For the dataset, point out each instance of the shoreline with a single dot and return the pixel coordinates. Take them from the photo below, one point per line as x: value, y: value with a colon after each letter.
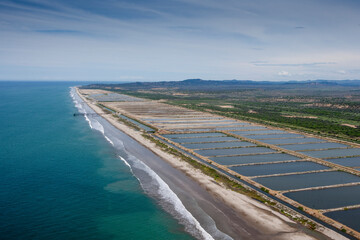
x: 254, y: 214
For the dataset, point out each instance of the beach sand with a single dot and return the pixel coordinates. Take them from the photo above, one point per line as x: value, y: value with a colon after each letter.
x: 234, y: 214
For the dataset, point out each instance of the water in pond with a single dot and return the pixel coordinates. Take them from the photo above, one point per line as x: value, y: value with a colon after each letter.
x: 328, y: 198
x: 146, y: 128
x: 192, y: 130
x: 115, y: 97
x: 234, y: 151
x: 349, y: 218
x: 334, y: 153
x: 348, y: 162
x: 175, y: 119
x: 267, y: 169
x: 267, y: 136
x: 205, y: 139
x: 194, y: 135
x: 292, y: 140
x: 197, y: 122
x: 215, y: 124
x: 275, y: 157
x: 307, y: 180
x: 218, y: 145
x: 313, y: 146
x: 242, y: 128
x: 259, y: 132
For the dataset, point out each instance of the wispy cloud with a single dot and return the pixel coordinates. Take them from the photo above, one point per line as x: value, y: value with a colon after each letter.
x: 164, y: 40
x: 284, y: 73
x: 313, y: 64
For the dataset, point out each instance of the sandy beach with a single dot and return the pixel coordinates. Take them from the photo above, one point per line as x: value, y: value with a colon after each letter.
x: 234, y: 214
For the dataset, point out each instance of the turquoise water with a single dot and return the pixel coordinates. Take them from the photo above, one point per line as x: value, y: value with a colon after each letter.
x: 62, y: 180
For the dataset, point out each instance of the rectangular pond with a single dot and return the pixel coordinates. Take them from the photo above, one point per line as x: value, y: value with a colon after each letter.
x: 114, y: 97
x: 204, y: 139
x: 234, y: 151
x: 199, y: 122
x: 247, y: 127
x: 349, y: 217
x: 277, y: 168
x: 180, y: 118
x: 241, y: 133
x: 292, y: 140
x: 215, y: 124
x: 194, y: 135
x: 275, y: 157
x: 334, y: 153
x: 313, y: 146
x: 327, y: 198
x: 218, y: 145
x: 348, y: 162
x: 191, y: 130
x: 307, y: 180
x: 267, y: 136
x: 146, y: 128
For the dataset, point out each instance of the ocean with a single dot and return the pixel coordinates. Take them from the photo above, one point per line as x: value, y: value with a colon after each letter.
x: 62, y: 177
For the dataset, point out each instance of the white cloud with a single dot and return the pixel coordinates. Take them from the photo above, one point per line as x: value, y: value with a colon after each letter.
x: 284, y: 73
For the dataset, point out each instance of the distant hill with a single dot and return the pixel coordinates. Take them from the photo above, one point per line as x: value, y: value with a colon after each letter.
x: 194, y: 84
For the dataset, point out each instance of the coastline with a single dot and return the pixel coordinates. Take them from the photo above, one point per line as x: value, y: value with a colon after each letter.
x: 256, y: 219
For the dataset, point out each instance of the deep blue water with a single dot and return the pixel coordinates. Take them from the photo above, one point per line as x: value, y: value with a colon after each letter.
x: 62, y: 180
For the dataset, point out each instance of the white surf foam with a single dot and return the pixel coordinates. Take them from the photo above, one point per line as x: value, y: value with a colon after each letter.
x: 166, y: 195
x: 94, y: 124
x: 163, y: 191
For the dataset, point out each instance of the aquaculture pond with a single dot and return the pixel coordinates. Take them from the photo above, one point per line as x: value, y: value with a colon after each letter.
x: 215, y: 124
x: 247, y: 127
x: 274, y: 157
x: 328, y: 198
x: 313, y: 146
x: 277, y: 168
x: 292, y: 141
x: 180, y: 118
x: 259, y: 132
x: 146, y: 128
x: 204, y: 139
x: 114, y: 97
x: 194, y: 135
x: 218, y: 145
x: 307, y: 180
x: 349, y: 217
x: 348, y: 162
x: 234, y: 151
x: 199, y: 122
x: 333, y: 153
x: 266, y: 136
x: 191, y: 130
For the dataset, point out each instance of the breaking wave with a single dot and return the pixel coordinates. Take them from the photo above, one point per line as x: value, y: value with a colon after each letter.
x: 150, y: 182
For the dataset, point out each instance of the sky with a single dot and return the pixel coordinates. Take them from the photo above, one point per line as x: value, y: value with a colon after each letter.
x: 165, y: 40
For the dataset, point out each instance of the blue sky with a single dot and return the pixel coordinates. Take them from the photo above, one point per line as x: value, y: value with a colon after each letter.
x: 149, y: 40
